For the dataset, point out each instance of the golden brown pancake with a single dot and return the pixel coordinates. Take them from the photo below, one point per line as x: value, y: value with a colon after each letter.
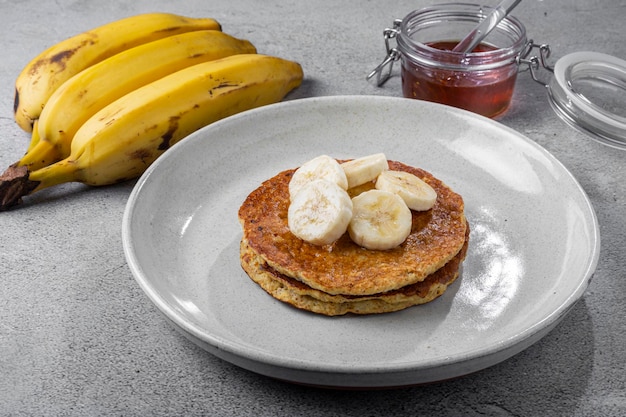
x: 344, y: 268
x: 298, y: 294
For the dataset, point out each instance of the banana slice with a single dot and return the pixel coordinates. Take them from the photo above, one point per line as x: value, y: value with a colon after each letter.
x: 322, y: 166
x: 380, y: 220
x: 416, y: 193
x: 320, y: 212
x: 365, y: 169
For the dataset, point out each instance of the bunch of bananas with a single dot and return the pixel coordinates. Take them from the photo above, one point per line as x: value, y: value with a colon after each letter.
x: 103, y: 105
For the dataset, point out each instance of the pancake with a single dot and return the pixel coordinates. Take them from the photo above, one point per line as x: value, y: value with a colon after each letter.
x: 299, y: 295
x: 344, y: 268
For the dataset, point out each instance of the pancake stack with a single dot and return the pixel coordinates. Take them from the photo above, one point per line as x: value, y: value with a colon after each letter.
x: 342, y: 277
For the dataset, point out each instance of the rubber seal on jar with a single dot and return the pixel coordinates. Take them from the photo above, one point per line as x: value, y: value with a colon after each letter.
x: 588, y: 91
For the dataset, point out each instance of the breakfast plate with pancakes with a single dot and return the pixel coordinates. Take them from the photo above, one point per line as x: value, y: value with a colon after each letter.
x: 526, y: 257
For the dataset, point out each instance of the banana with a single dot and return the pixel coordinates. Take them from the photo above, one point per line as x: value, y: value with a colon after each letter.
x: 46, y: 72
x: 320, y: 212
x: 80, y: 97
x: 322, y: 166
x: 120, y: 141
x: 416, y: 193
x: 365, y: 169
x: 34, y: 137
x: 380, y: 220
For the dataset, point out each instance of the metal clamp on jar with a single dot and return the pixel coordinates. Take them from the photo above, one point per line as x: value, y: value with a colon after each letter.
x: 483, y: 80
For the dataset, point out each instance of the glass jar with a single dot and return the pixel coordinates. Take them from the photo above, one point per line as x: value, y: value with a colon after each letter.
x: 586, y: 89
x: 481, y: 81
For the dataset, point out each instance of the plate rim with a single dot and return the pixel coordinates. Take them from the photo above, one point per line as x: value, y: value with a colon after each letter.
x: 531, y: 334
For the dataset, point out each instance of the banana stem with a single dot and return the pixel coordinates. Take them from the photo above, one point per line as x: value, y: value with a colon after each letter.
x: 18, y: 181
x: 15, y: 184
x: 54, y: 174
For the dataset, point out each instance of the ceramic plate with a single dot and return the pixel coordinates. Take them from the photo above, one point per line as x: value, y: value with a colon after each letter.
x: 534, y: 243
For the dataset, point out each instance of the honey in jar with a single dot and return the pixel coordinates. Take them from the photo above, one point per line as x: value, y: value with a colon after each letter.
x: 485, y: 92
x: 481, y: 81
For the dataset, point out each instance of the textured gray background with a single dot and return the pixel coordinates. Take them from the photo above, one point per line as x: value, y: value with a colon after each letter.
x: 78, y: 337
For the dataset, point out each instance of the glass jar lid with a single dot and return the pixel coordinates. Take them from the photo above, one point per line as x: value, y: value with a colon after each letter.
x: 588, y: 91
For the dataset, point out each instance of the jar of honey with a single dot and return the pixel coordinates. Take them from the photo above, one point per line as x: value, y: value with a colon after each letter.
x: 586, y: 89
x: 481, y: 81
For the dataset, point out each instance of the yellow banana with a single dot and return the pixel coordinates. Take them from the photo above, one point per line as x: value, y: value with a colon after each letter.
x: 92, y: 89
x: 120, y: 141
x: 46, y: 72
x: 34, y: 138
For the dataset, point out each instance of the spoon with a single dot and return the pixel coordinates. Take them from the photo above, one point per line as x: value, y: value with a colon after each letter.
x: 472, y: 39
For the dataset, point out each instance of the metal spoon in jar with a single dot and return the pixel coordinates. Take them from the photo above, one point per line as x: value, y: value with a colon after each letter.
x: 473, y: 39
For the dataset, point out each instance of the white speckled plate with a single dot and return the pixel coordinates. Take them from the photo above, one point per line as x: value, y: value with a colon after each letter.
x: 533, y: 249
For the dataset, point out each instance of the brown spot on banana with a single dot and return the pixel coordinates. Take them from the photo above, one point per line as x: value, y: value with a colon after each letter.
x: 16, y: 101
x: 221, y: 85
x: 61, y: 58
x: 168, y: 29
x: 142, y: 154
x: 82, y: 93
x: 167, y: 136
x: 225, y: 85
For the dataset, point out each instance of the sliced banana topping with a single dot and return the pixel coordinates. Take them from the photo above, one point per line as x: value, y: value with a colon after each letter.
x: 362, y: 170
x: 321, y: 167
x: 380, y: 220
x: 320, y: 212
x: 416, y: 193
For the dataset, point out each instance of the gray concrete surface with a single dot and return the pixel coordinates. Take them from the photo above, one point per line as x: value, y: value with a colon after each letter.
x: 78, y: 336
